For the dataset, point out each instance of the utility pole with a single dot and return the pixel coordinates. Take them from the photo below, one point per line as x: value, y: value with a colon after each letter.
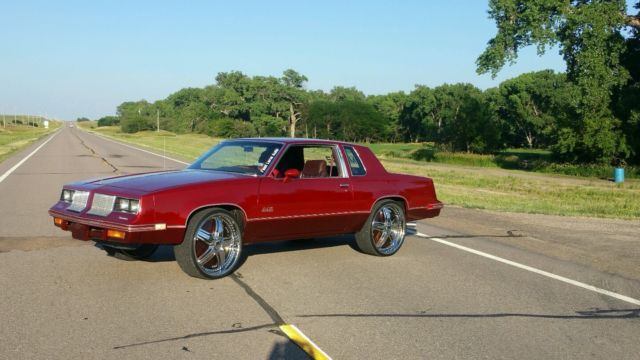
x: 4, y: 123
x: 158, y: 120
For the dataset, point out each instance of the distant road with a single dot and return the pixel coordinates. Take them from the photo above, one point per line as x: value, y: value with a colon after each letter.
x: 72, y: 155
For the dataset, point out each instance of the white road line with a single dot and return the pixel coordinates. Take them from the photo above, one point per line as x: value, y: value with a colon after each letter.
x: 136, y: 148
x: 8, y: 172
x: 534, y: 270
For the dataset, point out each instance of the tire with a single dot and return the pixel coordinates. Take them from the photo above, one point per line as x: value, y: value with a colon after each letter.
x: 383, y: 233
x: 141, y: 253
x: 212, y: 244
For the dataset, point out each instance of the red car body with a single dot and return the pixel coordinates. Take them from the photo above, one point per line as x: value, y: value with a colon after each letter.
x: 272, y: 208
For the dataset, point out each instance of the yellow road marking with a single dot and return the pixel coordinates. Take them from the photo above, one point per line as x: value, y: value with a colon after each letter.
x: 304, y: 342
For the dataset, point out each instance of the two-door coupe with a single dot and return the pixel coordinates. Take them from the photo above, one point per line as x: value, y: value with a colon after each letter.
x: 245, y: 191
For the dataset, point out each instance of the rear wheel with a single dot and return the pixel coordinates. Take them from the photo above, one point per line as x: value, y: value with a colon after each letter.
x: 383, y: 233
x: 212, y: 245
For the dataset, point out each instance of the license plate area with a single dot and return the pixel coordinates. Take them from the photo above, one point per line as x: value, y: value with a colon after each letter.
x: 79, y: 231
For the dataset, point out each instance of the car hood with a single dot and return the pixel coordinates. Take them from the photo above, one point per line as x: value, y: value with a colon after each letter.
x: 157, y: 181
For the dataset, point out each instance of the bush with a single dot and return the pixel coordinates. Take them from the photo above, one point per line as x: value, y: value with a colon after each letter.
x: 230, y: 128
x: 109, y: 121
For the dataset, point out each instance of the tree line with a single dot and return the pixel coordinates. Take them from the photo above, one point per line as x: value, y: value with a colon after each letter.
x: 590, y: 114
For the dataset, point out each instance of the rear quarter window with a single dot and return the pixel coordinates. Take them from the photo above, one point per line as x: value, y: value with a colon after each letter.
x: 355, y: 164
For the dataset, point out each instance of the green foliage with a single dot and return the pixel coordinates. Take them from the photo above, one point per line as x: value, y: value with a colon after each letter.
x: 109, y: 121
x: 530, y: 105
x: 590, y: 36
x: 537, y: 110
x: 345, y: 120
x: 82, y: 119
x: 230, y: 128
x: 455, y: 116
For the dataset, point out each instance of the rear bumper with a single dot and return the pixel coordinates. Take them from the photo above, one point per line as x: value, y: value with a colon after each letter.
x: 97, y: 230
x: 429, y: 211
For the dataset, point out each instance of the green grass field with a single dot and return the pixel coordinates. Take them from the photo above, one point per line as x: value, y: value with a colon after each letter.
x: 533, y: 160
x: 16, y: 137
x: 474, y: 181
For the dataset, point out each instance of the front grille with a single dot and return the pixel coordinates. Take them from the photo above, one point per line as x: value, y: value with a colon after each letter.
x: 79, y: 201
x: 102, y: 205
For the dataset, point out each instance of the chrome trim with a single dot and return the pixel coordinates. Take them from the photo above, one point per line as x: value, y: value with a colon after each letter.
x: 343, y: 168
x: 406, y: 202
x: 308, y: 215
x: 246, y: 218
x: 432, y: 206
x: 105, y: 224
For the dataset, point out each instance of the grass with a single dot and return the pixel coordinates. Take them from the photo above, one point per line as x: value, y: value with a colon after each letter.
x: 186, y: 146
x: 518, y: 191
x: 14, y: 137
x: 533, y: 160
x: 474, y: 181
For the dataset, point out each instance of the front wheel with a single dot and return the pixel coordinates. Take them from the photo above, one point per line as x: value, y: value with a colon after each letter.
x: 212, y: 245
x: 383, y: 233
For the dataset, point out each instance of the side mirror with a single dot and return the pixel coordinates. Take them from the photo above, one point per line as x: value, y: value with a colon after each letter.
x: 291, y: 174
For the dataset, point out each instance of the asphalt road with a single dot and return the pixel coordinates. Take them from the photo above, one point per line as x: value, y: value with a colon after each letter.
x: 65, y: 299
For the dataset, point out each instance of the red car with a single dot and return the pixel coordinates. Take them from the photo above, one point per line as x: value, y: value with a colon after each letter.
x: 246, y: 191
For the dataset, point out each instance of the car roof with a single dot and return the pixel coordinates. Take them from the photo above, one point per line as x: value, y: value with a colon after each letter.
x: 288, y: 140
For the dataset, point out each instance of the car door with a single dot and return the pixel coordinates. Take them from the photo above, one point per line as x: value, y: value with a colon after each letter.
x: 317, y: 203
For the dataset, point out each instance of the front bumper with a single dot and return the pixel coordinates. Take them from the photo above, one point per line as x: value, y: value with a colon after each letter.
x: 86, y: 229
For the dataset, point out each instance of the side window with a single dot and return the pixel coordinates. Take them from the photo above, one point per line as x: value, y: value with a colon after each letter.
x: 357, y: 169
x: 313, y: 161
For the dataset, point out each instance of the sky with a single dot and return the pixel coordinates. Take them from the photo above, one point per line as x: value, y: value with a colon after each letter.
x: 73, y: 59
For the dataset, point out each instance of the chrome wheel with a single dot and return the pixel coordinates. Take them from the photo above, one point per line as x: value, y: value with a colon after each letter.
x: 388, y: 228
x: 212, y: 244
x: 384, y: 231
x: 216, y: 244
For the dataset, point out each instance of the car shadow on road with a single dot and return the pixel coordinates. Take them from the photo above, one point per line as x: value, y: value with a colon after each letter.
x: 299, y: 245
x: 165, y: 252
x: 592, y: 314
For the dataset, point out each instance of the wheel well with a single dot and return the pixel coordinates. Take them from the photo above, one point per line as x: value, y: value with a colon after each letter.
x: 397, y: 199
x: 237, y: 212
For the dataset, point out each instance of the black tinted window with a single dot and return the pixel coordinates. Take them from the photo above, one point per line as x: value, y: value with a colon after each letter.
x: 354, y: 162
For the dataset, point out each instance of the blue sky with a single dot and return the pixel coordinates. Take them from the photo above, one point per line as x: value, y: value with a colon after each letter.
x: 83, y: 58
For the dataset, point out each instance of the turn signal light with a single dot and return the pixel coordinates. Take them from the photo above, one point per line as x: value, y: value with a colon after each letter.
x: 57, y: 221
x: 115, y: 234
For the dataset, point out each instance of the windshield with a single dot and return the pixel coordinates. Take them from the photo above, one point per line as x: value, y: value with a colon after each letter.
x: 244, y: 157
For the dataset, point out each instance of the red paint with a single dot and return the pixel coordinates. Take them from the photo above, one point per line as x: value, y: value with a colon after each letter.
x: 273, y: 208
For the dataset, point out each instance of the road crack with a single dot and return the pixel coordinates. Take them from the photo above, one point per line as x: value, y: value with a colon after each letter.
x: 273, y: 314
x: 95, y: 154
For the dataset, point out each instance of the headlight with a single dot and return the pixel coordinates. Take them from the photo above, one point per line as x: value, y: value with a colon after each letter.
x: 130, y: 206
x: 67, y: 195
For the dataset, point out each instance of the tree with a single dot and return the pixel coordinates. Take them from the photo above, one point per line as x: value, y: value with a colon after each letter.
x: 345, y: 120
x: 414, y: 117
x: 463, y: 119
x: 530, y: 104
x: 294, y: 94
x: 136, y: 116
x: 390, y: 107
x: 109, y: 121
x: 341, y: 93
x: 589, y: 34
